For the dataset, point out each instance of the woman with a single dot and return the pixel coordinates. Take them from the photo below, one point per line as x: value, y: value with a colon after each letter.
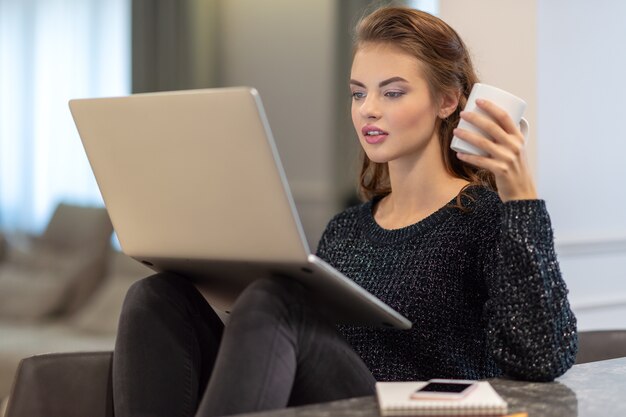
x: 458, y: 244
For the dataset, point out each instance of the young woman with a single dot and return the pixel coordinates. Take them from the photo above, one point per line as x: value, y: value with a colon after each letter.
x: 461, y: 245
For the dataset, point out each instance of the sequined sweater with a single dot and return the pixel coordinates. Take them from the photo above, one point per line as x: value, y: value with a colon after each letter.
x: 483, y: 290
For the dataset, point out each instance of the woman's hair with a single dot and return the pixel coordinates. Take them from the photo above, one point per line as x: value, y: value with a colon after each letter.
x: 447, y: 68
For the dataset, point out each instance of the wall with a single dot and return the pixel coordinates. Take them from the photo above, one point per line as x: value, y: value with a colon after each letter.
x: 297, y: 54
x: 286, y: 50
x: 567, y: 59
x: 581, y: 67
x: 501, y: 36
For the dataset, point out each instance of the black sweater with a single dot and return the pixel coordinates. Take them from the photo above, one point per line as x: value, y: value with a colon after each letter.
x: 483, y: 290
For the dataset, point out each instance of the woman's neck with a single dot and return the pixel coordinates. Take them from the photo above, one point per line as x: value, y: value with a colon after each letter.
x: 420, y: 186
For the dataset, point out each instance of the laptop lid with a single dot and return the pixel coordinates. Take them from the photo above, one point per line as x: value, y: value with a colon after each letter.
x: 172, y: 164
x: 194, y: 186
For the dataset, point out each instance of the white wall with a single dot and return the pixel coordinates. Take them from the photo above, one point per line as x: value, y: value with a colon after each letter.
x: 501, y: 37
x: 286, y: 49
x: 568, y: 59
x: 581, y: 66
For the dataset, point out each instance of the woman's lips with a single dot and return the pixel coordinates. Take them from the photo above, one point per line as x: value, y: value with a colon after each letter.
x: 373, y: 135
x: 374, y: 139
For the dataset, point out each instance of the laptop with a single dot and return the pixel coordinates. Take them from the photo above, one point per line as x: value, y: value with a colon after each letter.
x: 194, y: 186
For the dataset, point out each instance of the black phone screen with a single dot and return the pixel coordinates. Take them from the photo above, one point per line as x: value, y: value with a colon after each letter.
x: 444, y: 387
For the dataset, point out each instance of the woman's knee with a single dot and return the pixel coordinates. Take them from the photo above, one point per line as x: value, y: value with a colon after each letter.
x: 158, y: 291
x: 284, y: 289
x: 273, y: 295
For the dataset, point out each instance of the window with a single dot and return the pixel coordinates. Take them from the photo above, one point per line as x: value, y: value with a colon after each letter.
x: 429, y: 6
x: 52, y: 51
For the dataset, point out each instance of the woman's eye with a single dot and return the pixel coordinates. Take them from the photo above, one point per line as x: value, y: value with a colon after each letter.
x: 357, y: 95
x: 394, y: 94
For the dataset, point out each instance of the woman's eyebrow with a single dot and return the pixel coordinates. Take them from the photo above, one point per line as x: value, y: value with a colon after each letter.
x: 391, y: 80
x: 382, y: 83
x: 357, y: 83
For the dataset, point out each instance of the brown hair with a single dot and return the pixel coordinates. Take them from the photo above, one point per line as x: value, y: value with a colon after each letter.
x: 448, y: 69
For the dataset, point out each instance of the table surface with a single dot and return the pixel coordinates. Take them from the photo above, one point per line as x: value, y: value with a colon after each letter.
x: 588, y: 390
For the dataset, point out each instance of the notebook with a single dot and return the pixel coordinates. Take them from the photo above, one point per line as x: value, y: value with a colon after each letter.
x: 193, y: 183
x: 394, y: 399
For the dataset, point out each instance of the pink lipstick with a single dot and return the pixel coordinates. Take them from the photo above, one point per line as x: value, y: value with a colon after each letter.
x: 373, y: 134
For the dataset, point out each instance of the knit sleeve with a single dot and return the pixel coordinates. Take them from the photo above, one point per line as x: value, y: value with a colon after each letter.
x: 531, y: 329
x: 322, y: 245
x: 329, y: 232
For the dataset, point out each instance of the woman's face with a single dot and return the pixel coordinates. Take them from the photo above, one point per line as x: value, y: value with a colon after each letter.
x: 392, y: 109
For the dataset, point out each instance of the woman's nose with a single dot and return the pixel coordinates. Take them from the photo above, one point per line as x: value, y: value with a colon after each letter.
x: 369, y: 108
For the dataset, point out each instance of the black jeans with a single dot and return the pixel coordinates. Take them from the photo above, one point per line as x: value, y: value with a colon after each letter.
x: 173, y: 356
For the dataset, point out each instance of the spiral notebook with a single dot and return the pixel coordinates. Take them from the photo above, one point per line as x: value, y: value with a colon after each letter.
x: 394, y: 399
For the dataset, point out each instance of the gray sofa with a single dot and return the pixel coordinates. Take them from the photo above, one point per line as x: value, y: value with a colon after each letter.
x: 90, y: 328
x: 62, y: 291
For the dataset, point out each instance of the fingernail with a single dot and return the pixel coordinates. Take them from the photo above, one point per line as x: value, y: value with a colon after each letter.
x: 480, y: 101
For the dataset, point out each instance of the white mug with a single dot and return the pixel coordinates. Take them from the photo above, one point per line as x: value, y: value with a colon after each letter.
x: 513, y: 105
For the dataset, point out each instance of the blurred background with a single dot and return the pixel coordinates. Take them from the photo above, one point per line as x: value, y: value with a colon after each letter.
x: 566, y: 57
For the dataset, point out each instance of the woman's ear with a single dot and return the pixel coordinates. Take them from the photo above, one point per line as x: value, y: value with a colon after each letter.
x: 448, y: 104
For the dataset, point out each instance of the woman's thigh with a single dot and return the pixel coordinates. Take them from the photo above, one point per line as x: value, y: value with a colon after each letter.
x: 277, y: 350
x: 168, y: 339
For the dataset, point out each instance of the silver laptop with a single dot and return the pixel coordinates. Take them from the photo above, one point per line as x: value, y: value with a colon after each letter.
x: 193, y: 184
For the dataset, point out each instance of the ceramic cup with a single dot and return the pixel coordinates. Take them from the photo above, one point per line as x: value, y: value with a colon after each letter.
x: 513, y: 105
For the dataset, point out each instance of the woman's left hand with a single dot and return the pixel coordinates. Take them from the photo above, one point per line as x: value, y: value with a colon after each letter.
x: 506, y: 157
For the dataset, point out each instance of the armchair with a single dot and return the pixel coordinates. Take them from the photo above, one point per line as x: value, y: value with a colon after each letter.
x: 63, y: 385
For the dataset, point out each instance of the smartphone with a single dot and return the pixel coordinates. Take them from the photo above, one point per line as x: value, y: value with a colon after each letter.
x: 444, y: 389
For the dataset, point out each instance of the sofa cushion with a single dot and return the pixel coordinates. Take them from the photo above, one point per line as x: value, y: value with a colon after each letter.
x: 85, y: 232
x: 55, y: 273
x: 100, y: 315
x: 37, y: 283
